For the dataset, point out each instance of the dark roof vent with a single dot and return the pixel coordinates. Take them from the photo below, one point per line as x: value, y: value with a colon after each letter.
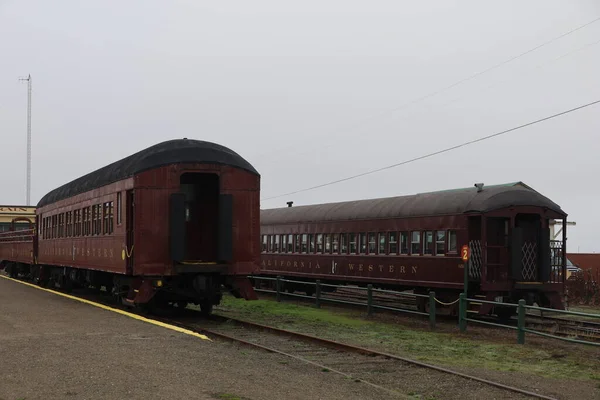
x: 289, y: 203
x: 479, y: 187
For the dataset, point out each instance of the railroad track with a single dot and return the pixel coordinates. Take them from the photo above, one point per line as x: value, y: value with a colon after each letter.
x: 565, y: 327
x: 377, y: 369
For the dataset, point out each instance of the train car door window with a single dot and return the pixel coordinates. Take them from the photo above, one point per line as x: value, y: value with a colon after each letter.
x: 415, y: 249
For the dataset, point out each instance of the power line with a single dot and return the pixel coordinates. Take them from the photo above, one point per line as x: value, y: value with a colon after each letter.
x: 437, y: 152
x: 323, y: 147
x: 471, y: 77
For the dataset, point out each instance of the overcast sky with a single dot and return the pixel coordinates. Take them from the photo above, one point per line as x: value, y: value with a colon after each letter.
x: 309, y: 92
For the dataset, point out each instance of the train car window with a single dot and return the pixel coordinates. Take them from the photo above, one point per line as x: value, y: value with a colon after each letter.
x: 403, y: 242
x: 290, y: 243
x: 84, y: 222
x: 89, y: 220
x: 119, y: 213
x: 105, y: 219
x: 81, y: 222
x: 275, y: 243
x: 319, y: 243
x: 452, y: 242
x: 440, y: 243
x: 352, y: 238
x: 111, y: 220
x: 68, y: 223
x: 362, y: 244
x: 311, y: 243
x: 263, y: 247
x: 372, y: 243
x: 327, y: 241
x: 428, y: 243
x: 382, y: 243
x: 99, y: 216
x: 94, y: 213
x: 283, y: 247
x: 61, y: 225
x: 335, y: 243
x: 393, y: 242
x: 297, y: 244
x: 415, y: 249
x: 304, y: 243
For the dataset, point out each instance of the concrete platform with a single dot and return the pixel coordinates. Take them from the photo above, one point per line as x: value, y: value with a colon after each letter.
x: 53, y: 347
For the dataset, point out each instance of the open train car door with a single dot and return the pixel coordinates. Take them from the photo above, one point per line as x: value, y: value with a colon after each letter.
x: 201, y: 217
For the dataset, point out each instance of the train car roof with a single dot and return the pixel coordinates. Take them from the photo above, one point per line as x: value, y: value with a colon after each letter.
x: 177, y: 151
x: 447, y: 202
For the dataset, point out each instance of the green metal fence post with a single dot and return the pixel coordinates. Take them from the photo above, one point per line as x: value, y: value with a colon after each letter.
x: 432, y: 310
x: 462, y: 312
x: 278, y: 288
x: 369, y: 299
x: 318, y: 293
x: 521, y: 323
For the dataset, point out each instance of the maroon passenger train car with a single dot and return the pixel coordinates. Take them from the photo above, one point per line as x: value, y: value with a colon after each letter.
x: 413, y: 242
x: 169, y: 224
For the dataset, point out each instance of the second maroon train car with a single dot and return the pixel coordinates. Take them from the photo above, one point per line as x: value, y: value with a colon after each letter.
x: 413, y: 242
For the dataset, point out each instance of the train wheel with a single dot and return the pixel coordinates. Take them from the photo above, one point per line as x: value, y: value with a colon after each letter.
x: 182, y: 304
x: 206, y: 307
x: 12, y: 271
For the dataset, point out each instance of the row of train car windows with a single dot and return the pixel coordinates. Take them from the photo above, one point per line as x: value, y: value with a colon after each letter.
x: 409, y: 243
x: 88, y: 221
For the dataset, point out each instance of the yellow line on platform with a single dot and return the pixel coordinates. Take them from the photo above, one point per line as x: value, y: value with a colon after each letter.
x: 116, y: 310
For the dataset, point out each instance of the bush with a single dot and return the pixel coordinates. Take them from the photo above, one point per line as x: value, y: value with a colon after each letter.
x: 582, y: 288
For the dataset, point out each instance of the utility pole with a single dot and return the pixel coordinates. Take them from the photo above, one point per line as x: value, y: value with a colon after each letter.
x: 28, y: 79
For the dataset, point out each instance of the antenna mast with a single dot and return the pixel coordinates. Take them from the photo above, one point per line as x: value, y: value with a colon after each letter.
x: 28, y: 79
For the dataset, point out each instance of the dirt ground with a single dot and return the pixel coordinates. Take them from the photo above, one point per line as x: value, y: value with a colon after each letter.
x: 52, y: 347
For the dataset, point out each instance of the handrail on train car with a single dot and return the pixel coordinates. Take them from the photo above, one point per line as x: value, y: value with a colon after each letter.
x: 24, y: 235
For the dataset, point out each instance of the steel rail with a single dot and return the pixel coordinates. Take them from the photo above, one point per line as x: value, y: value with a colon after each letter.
x: 349, y: 348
